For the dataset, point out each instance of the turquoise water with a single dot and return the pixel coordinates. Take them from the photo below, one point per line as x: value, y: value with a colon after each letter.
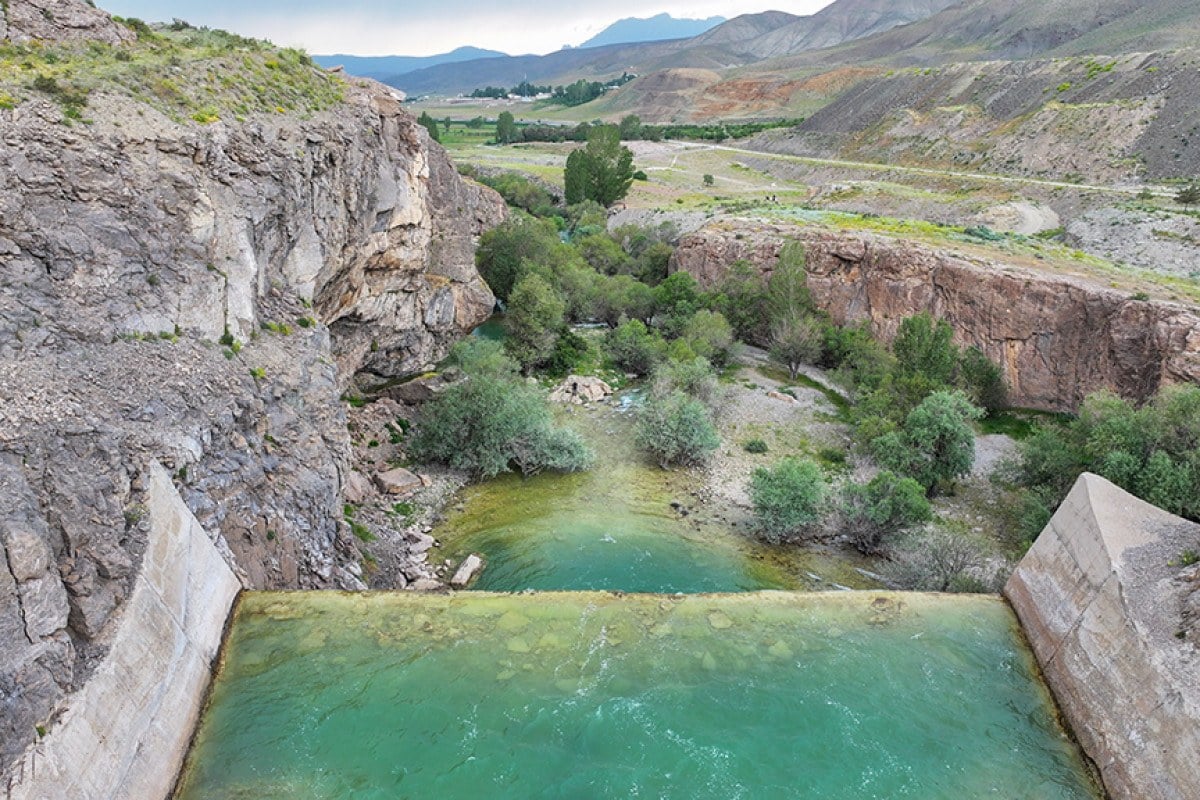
x: 614, y: 528
x: 587, y: 695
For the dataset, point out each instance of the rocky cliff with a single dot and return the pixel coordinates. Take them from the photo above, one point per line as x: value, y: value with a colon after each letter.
x: 1110, y: 614
x: 199, y: 295
x: 1057, y: 337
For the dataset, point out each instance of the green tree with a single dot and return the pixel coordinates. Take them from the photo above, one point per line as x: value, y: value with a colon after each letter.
x: 676, y: 430
x: 936, y: 443
x: 787, y: 498
x: 506, y: 128
x: 982, y: 380
x: 429, y: 124
x: 787, y: 289
x: 603, y: 171
x: 709, y: 336
x: 635, y: 348
x: 741, y: 297
x: 533, y: 322
x: 694, y: 378
x: 925, y: 348
x: 874, y: 512
x: 631, y: 128
x: 506, y: 251
x: 1189, y: 195
x: 492, y: 422
x: 796, y: 341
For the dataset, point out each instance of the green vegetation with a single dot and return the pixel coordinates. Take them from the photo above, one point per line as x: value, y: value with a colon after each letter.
x: 755, y: 446
x: 787, y: 498
x: 430, y: 124
x: 676, y: 430
x: 602, y: 171
x: 1189, y: 195
x: 936, y: 443
x: 186, y: 73
x: 875, y: 512
x: 534, y: 322
x: 493, y: 421
x: 1152, y: 451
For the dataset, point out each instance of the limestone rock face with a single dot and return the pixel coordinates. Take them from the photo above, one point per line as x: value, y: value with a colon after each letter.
x: 59, y: 20
x: 1057, y: 337
x: 140, y: 261
x: 1104, y: 605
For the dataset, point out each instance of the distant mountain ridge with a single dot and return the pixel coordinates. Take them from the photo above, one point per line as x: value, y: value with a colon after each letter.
x: 382, y: 68
x: 652, y: 29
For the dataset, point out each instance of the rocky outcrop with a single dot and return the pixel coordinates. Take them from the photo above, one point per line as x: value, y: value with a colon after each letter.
x: 1057, y: 337
x: 580, y: 390
x: 24, y: 21
x: 1101, y: 598
x: 127, y: 731
x: 201, y: 296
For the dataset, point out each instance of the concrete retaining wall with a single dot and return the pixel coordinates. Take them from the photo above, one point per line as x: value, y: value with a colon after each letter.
x: 125, y: 733
x: 1101, y: 605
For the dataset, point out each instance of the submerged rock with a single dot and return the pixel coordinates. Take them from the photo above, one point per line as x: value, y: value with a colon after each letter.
x: 467, y: 571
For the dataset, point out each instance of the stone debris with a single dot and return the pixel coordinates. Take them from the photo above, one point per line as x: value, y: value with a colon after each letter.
x: 580, y: 390
x: 399, y: 482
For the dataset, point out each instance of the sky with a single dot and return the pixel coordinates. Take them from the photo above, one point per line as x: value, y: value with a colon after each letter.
x: 428, y: 27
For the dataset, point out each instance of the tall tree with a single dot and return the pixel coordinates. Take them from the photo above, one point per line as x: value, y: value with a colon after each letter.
x: 430, y: 124
x: 533, y: 322
x: 506, y: 128
x: 601, y: 171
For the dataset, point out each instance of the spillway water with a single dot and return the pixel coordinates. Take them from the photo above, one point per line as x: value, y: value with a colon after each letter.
x: 591, y: 695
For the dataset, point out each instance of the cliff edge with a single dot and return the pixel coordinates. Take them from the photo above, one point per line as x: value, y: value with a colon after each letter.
x: 203, y: 240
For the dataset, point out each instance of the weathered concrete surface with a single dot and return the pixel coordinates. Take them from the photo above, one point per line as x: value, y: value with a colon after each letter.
x: 1102, y: 605
x: 125, y: 733
x: 1057, y: 337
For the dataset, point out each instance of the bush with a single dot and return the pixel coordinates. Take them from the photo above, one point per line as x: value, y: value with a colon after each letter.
x: 493, y: 422
x: 876, y: 511
x: 755, y: 446
x: 635, y: 348
x: 981, y: 380
x: 693, y: 377
x: 676, y: 430
x: 796, y: 341
x: 936, y: 443
x: 939, y: 561
x: 506, y: 252
x: 787, y: 498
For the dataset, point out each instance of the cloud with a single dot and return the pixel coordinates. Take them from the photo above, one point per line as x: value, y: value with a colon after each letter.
x: 377, y: 27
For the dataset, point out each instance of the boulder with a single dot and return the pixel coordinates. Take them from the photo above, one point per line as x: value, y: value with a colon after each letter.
x: 357, y: 489
x: 467, y: 571
x: 398, y: 482
x: 580, y: 390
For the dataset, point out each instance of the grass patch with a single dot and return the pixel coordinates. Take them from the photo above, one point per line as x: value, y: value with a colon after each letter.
x: 190, y: 74
x: 1017, y: 423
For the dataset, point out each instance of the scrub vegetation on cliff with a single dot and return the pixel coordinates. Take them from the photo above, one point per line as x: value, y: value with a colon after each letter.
x: 185, y: 72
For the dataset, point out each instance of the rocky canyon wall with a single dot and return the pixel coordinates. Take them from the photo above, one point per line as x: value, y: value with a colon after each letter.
x: 199, y: 295
x: 1107, y: 609
x: 1057, y: 337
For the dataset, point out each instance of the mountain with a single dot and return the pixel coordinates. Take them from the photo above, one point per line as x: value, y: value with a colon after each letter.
x: 384, y: 67
x: 737, y: 42
x: 652, y: 29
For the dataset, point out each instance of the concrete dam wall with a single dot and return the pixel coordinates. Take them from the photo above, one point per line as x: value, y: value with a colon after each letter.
x: 125, y: 733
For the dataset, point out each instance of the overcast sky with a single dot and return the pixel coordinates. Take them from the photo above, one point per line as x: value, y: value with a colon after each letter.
x: 427, y: 27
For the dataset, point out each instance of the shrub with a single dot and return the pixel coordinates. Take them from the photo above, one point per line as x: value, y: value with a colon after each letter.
x: 936, y: 443
x: 755, y: 446
x: 676, y: 430
x: 796, y: 341
x: 876, y: 511
x: 693, y: 377
x: 939, y: 561
x: 787, y: 498
x: 635, y: 348
x: 492, y: 422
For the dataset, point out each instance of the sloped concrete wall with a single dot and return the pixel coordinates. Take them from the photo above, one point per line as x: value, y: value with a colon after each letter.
x: 1098, y: 601
x: 125, y: 733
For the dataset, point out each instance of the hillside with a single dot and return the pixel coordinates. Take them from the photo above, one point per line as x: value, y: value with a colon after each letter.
x: 1088, y: 119
x: 381, y: 68
x: 653, y: 29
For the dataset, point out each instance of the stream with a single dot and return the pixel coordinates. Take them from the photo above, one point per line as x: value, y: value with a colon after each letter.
x: 626, y: 641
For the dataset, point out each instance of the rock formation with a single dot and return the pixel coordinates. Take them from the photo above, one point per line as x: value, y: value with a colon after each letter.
x: 1103, y: 600
x: 60, y: 21
x: 1057, y: 337
x: 199, y: 295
